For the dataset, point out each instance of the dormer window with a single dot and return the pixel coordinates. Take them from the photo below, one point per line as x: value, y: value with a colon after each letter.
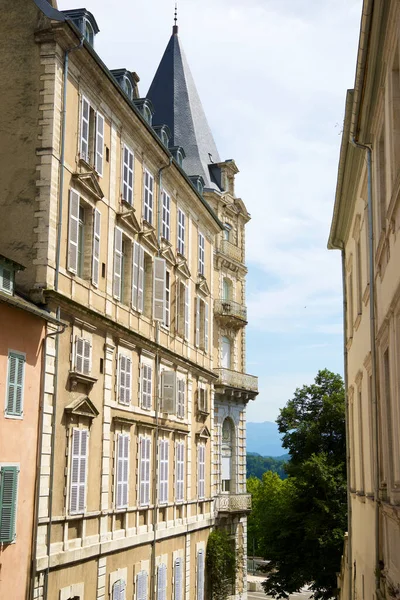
x: 198, y: 182
x: 146, y: 108
x: 163, y: 133
x: 128, y: 88
x: 164, y: 138
x: 8, y: 269
x: 147, y: 114
x: 85, y: 22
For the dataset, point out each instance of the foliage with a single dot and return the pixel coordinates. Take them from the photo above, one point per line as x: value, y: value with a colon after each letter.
x: 299, y: 522
x: 220, y: 563
x: 257, y: 465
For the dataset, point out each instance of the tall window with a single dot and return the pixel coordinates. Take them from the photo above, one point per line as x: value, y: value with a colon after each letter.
x: 359, y: 276
x: 167, y: 311
x: 201, y: 465
x: 124, y: 379
x: 182, y: 303
x: 226, y: 353
x: 226, y: 289
x: 201, y: 324
x: 78, y: 472
x: 146, y: 386
x: 92, y: 136
x: 227, y: 232
x: 148, y: 197
x: 180, y: 401
x: 8, y: 502
x: 144, y: 471
x: 127, y: 175
x: 122, y: 477
x: 201, y: 254
x: 15, y: 384
x: 179, y: 471
x: 82, y: 355
x: 181, y: 232
x: 166, y: 215
x: 178, y: 569
x: 163, y: 449
x: 200, y: 575
x: 96, y: 248
x: 76, y: 234
x: 141, y: 585
x: 360, y: 440
x: 162, y: 582
x: 227, y: 455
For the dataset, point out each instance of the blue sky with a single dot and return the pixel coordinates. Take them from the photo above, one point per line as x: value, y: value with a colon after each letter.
x: 272, y: 76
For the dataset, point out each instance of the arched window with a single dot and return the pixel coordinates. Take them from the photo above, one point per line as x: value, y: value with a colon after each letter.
x: 164, y: 138
x: 147, y: 114
x: 128, y: 87
x: 227, y: 456
x: 88, y: 32
x: 226, y: 353
x: 227, y: 289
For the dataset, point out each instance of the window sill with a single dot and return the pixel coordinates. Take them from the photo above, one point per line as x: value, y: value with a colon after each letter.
x: 75, y: 377
x: 203, y: 412
x: 14, y: 417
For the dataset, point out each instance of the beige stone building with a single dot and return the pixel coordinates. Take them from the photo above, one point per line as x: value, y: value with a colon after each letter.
x: 131, y: 233
x: 365, y: 228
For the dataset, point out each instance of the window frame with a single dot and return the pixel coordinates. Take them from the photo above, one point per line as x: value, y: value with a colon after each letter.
x: 146, y: 397
x: 163, y: 470
x: 130, y: 171
x: 78, y: 510
x: 122, y: 478
x: 166, y: 215
x: 201, y: 471
x: 181, y: 232
x: 144, y: 483
x: 148, y: 198
x: 179, y: 470
x: 201, y: 253
x: 15, y: 414
x: 127, y: 372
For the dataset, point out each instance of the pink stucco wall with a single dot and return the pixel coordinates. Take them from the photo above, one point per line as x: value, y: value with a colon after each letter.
x: 23, y: 332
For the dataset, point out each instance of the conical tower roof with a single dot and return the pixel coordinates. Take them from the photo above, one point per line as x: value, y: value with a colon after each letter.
x: 177, y: 104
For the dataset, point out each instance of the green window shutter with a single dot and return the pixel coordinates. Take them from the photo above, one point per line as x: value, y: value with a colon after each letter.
x: 8, y: 499
x: 15, y: 384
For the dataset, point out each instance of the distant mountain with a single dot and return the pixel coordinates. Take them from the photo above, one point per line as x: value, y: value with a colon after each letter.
x: 264, y: 439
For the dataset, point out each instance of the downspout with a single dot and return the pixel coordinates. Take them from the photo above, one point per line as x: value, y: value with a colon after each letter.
x: 56, y: 275
x: 157, y: 400
x: 347, y: 423
x: 38, y: 457
x: 374, y: 392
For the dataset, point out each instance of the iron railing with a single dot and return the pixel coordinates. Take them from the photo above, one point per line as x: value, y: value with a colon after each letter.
x: 229, y: 308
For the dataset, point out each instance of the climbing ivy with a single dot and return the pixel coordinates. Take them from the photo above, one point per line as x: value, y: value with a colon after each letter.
x: 221, y: 565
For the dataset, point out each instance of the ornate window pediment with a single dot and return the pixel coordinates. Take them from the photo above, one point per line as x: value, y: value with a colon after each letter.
x: 202, y: 286
x: 166, y: 252
x: 82, y: 406
x: 148, y: 235
x: 88, y: 182
x: 203, y: 433
x: 182, y: 268
x: 127, y: 217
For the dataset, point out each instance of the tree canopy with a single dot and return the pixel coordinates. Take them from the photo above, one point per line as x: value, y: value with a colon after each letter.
x: 298, y: 523
x: 256, y: 465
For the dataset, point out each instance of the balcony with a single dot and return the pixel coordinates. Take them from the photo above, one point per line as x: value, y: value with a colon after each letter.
x: 230, y: 250
x: 231, y: 313
x: 233, y: 503
x: 239, y: 381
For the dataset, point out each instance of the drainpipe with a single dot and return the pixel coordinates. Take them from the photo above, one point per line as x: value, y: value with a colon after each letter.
x: 374, y: 391
x: 56, y: 275
x: 347, y: 424
x: 157, y: 400
x: 38, y: 459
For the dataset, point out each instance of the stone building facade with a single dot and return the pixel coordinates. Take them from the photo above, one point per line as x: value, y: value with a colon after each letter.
x: 365, y: 228
x: 137, y: 245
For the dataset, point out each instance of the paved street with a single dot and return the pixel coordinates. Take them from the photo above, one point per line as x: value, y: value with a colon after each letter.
x: 302, y: 595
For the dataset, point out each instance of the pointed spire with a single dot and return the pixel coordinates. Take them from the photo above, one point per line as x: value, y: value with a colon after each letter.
x: 175, y: 26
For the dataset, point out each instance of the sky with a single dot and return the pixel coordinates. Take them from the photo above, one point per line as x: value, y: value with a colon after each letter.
x: 272, y: 76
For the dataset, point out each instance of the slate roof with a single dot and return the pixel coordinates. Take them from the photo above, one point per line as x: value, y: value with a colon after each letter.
x: 177, y: 104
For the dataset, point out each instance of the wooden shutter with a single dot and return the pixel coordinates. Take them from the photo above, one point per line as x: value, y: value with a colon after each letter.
x: 127, y: 175
x: 187, y: 319
x: 201, y: 254
x: 146, y: 386
x: 201, y: 470
x: 163, y: 450
x: 181, y: 399
x: 79, y: 354
x: 85, y: 118
x: 140, y: 297
x: 73, y: 231
x: 168, y: 391
x: 206, y: 326
x: 197, y: 337
x: 166, y: 200
x: 162, y: 582
x: 125, y: 378
x: 121, y: 500
x: 141, y: 584
x: 78, y: 470
x: 178, y: 579
x: 96, y: 247
x: 119, y: 589
x: 87, y: 357
x: 159, y: 289
x: 8, y: 501
x: 179, y: 470
x: 145, y: 450
x: 15, y: 384
x: 148, y: 452
x: 200, y: 575
x: 135, y: 275
x: 117, y: 262
x: 99, y: 143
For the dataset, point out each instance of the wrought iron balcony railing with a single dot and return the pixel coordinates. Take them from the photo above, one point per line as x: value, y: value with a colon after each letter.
x: 229, y: 308
x: 233, y: 503
x: 238, y: 380
x: 230, y: 250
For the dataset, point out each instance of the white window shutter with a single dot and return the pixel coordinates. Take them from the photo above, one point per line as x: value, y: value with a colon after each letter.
x: 187, y: 319
x: 148, y: 451
x: 122, y: 591
x: 125, y: 378
x: 197, y: 341
x: 122, y: 471
x: 73, y: 231
x: 140, y: 300
x: 141, y: 584
x: 117, y: 262
x: 201, y: 470
x: 206, y: 326
x: 159, y: 289
x: 79, y: 346
x: 162, y: 582
x: 179, y: 470
x: 200, y: 575
x: 145, y: 451
x: 146, y: 382
x: 163, y: 449
x: 87, y: 357
x: 178, y: 579
x: 181, y: 398
x: 166, y: 202
x: 96, y: 247
x: 127, y: 175
x: 99, y: 144
x: 135, y: 275
x: 85, y: 118
x: 168, y: 391
x: 78, y: 470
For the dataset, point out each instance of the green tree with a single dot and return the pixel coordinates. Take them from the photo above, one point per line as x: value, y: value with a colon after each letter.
x: 302, y: 520
x: 221, y: 564
x: 256, y: 465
